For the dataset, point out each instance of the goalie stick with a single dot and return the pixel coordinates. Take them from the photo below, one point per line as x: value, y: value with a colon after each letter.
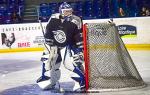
x: 43, y: 65
x: 43, y: 34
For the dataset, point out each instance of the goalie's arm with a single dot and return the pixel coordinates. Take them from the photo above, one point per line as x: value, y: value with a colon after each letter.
x: 48, y: 35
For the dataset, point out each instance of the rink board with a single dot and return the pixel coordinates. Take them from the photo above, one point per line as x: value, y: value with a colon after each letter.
x: 29, y: 37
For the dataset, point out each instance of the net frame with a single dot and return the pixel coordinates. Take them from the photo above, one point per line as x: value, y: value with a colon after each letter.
x: 87, y: 60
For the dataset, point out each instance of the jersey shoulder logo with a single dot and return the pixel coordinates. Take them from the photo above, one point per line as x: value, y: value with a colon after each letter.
x: 59, y: 36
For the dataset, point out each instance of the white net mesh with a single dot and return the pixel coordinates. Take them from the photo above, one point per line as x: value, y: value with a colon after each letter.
x: 109, y: 63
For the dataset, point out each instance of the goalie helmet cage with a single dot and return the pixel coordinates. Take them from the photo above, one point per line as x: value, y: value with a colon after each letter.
x: 108, y: 65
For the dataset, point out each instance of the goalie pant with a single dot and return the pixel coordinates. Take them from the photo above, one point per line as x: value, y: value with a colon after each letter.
x: 60, y: 34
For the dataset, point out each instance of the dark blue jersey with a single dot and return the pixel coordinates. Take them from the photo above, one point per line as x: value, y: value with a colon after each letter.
x: 63, y: 33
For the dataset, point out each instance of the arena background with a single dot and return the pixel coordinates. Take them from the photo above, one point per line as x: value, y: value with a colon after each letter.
x: 20, y: 66
x: 20, y: 18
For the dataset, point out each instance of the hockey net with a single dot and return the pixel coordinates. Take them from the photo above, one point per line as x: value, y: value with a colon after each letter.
x: 108, y: 65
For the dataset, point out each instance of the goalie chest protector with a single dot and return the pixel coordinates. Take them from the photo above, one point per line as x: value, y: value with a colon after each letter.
x: 63, y: 33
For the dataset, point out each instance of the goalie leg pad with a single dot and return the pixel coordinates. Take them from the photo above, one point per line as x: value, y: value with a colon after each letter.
x: 50, y: 56
x: 52, y: 71
x: 78, y: 61
x: 78, y: 78
x: 55, y: 71
x: 50, y: 78
x: 55, y: 76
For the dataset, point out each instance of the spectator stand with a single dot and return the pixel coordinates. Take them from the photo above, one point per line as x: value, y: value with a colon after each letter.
x: 10, y: 11
x: 44, y: 12
x: 14, y: 11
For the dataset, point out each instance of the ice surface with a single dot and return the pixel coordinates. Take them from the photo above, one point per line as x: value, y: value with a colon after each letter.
x: 19, y: 71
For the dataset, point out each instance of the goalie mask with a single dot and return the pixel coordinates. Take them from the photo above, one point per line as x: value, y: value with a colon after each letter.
x: 65, y: 10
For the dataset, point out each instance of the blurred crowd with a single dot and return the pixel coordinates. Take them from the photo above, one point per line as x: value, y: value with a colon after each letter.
x: 13, y: 11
